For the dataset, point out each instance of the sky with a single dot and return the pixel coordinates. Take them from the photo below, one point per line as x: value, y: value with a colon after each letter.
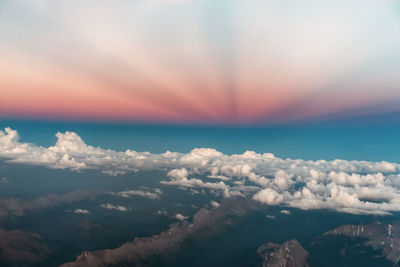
x: 152, y: 109
x: 199, y: 61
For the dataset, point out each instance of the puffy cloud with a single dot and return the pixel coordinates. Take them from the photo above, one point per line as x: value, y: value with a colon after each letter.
x: 81, y: 211
x: 282, y: 180
x: 112, y: 207
x: 178, y: 174
x: 180, y: 177
x: 286, y: 212
x: 215, y: 204
x: 152, y: 194
x: 70, y: 142
x: 268, y: 196
x: 196, y: 183
x: 181, y: 217
x: 359, y: 187
x: 11, y: 147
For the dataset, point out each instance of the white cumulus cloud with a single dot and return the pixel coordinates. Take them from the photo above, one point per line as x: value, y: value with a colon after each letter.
x: 286, y: 212
x: 152, y: 194
x: 181, y: 217
x: 113, y: 207
x: 358, y: 187
x: 81, y: 211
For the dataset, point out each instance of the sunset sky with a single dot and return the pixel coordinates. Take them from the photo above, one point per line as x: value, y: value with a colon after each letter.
x: 199, y: 61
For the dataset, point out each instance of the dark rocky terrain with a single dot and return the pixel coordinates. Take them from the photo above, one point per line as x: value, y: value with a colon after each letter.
x: 18, y: 248
x: 380, y: 236
x: 288, y: 254
x: 143, y: 251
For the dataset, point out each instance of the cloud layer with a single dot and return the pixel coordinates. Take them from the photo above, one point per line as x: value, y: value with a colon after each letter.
x: 358, y: 187
x: 18, y: 206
